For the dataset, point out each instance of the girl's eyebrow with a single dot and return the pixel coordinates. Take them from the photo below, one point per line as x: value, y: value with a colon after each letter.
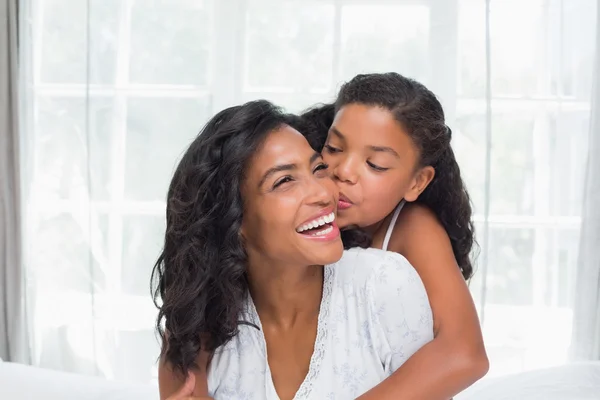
x: 385, y: 149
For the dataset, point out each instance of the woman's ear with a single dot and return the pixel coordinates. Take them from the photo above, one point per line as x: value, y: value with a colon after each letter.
x: 422, y: 179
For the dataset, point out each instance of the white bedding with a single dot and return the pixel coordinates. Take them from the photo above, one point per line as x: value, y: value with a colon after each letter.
x: 570, y: 382
x: 578, y: 381
x: 22, y: 382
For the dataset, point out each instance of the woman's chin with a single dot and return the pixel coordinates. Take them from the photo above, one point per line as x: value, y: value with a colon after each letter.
x: 327, y: 254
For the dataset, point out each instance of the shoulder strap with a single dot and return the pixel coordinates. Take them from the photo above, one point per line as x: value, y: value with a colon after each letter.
x: 390, y: 229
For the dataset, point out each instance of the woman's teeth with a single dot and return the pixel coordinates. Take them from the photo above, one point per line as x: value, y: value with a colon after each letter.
x: 327, y: 219
x: 322, y: 231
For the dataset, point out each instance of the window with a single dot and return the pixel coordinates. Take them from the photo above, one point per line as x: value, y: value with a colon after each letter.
x: 118, y: 90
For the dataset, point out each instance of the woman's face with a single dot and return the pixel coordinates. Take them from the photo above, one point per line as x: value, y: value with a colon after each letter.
x: 374, y: 164
x: 290, y: 202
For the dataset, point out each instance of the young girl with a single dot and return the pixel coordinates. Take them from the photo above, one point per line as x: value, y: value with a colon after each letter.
x: 388, y: 147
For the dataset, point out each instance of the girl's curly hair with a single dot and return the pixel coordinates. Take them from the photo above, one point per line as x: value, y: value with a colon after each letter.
x: 420, y: 113
x: 200, y: 277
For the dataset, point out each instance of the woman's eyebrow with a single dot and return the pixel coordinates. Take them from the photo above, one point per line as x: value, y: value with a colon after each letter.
x: 275, y: 169
x: 315, y: 157
x: 285, y: 167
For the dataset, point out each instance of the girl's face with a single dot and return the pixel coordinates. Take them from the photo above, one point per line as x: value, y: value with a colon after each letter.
x: 375, y: 164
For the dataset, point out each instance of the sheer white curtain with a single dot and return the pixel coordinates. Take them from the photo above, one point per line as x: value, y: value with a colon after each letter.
x: 117, y: 88
x: 586, y: 324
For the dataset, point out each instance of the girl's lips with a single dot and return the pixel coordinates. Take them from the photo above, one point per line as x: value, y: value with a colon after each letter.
x: 343, y: 205
x: 344, y: 202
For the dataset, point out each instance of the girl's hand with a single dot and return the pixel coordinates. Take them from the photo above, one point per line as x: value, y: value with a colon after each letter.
x: 187, y: 390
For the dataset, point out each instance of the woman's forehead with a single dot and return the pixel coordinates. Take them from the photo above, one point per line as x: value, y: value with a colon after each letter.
x: 282, y: 146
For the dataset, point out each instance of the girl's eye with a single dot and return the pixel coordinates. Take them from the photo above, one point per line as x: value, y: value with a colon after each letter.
x: 281, y: 181
x: 376, y: 167
x: 321, y: 167
x: 331, y: 149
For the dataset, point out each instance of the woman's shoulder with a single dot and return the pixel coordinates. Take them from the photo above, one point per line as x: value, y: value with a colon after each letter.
x: 369, y: 266
x: 373, y: 258
x: 383, y: 288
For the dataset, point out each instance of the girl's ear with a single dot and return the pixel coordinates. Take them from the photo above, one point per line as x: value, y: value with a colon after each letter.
x: 422, y: 179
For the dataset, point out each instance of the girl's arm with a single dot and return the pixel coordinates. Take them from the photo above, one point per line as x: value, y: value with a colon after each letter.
x: 456, y: 357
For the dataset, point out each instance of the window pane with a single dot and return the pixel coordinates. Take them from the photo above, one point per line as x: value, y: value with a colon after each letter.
x: 573, y: 31
x: 74, y: 341
x: 143, y: 238
x: 97, y: 333
x: 62, y: 257
x: 159, y: 131
x: 64, y: 37
x: 564, y: 253
x: 536, y: 165
x: 170, y: 42
x: 568, y: 137
x: 529, y: 50
x: 530, y: 295
x: 374, y: 40
x: 517, y: 57
x: 512, y: 169
x: 63, y: 159
x: 132, y: 353
x: 468, y: 142
x: 292, y: 102
x: 289, y: 44
x: 471, y: 48
x: 556, y: 259
x: 532, y: 266
x: 522, y: 338
x: 510, y: 259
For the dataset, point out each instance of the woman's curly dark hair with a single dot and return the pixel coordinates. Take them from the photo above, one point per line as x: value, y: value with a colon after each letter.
x: 200, y: 276
x: 419, y: 111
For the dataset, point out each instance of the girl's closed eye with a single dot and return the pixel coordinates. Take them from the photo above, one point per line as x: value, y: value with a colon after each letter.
x: 331, y: 149
x: 376, y: 167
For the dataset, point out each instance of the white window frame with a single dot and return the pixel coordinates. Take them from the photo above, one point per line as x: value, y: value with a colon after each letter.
x: 226, y: 88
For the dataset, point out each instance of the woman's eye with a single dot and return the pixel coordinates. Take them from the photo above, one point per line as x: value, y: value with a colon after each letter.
x: 281, y: 181
x: 321, y: 167
x: 331, y: 149
x: 376, y: 167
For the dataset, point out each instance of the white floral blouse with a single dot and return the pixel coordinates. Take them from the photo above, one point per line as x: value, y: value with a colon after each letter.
x: 374, y: 315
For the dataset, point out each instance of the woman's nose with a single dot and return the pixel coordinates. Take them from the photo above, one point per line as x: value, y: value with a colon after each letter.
x: 322, y: 191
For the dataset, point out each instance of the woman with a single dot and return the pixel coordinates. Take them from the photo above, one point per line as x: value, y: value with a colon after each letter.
x: 388, y: 147
x: 248, y: 306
